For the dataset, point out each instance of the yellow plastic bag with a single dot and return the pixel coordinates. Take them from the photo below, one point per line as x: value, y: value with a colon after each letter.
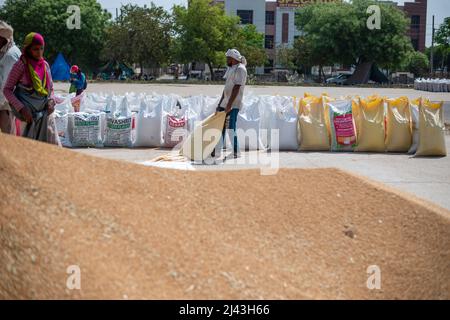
x: 199, y: 145
x: 314, y: 134
x: 356, y: 110
x: 431, y: 129
x: 370, y: 125
x: 414, y: 109
x: 398, y: 125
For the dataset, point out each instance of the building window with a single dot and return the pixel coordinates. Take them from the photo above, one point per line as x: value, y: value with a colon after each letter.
x: 270, y: 18
x: 415, y: 22
x: 269, y: 42
x: 285, y: 28
x: 246, y: 16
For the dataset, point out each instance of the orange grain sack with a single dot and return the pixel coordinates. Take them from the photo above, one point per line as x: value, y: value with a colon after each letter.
x: 398, y: 125
x: 370, y: 125
x: 313, y: 127
x: 431, y: 129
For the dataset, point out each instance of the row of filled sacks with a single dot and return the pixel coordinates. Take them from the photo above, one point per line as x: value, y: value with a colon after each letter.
x: 373, y: 124
x: 127, y: 121
x: 432, y: 85
x: 138, y: 120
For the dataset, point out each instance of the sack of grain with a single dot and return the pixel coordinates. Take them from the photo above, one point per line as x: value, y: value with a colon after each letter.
x: 313, y: 125
x: 342, y: 125
x: 174, y: 122
x: 119, y: 127
x: 62, y: 111
x: 431, y: 129
x: 414, y: 109
x: 85, y: 129
x: 148, y: 123
x: 371, y: 125
x: 398, y: 125
x: 282, y: 115
x: 249, y: 125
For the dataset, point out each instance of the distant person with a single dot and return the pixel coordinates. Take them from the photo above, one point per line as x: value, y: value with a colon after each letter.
x: 78, y: 82
x: 9, y: 55
x: 233, y: 94
x: 29, y: 90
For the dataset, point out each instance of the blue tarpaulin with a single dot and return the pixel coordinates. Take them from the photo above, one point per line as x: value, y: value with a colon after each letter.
x: 60, y: 69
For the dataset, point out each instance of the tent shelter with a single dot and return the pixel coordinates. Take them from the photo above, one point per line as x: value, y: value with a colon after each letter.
x: 60, y: 69
x: 119, y: 70
x: 365, y: 72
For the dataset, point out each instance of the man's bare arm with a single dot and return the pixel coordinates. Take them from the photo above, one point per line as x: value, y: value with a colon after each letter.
x: 233, y: 97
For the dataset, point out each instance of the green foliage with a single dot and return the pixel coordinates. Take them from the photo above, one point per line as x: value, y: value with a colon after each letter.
x: 203, y: 33
x: 285, y: 57
x: 443, y: 33
x: 49, y: 17
x: 417, y: 63
x: 250, y: 43
x: 140, y: 35
x: 338, y: 33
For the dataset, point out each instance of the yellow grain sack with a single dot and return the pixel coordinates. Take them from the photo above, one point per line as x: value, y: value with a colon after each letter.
x: 370, y: 133
x: 199, y: 145
x: 431, y: 129
x: 414, y: 109
x: 325, y: 100
x: 398, y: 125
x: 313, y: 128
x: 356, y: 111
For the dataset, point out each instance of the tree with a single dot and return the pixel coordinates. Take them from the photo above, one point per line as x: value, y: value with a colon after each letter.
x: 48, y: 17
x: 285, y: 57
x: 443, y: 41
x: 140, y: 35
x: 250, y: 43
x: 443, y: 33
x: 417, y: 63
x: 203, y: 33
x: 338, y: 33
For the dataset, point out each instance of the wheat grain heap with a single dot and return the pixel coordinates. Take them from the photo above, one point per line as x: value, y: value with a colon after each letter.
x: 149, y: 233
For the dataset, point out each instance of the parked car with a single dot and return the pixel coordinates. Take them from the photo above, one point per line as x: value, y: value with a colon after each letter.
x: 339, y: 80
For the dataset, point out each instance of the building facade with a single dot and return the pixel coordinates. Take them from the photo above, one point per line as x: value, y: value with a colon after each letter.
x: 417, y: 12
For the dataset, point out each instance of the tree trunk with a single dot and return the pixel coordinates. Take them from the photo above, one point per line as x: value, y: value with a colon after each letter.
x: 211, y: 70
x: 320, y: 73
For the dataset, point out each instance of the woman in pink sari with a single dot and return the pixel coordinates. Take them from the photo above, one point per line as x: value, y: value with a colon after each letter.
x: 29, y: 90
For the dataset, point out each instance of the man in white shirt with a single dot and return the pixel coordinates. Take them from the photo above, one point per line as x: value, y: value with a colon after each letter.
x: 233, y: 94
x: 9, y: 54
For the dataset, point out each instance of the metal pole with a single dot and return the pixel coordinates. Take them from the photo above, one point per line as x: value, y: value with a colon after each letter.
x: 432, y: 50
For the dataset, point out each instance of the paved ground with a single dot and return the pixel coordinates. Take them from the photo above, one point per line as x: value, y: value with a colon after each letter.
x: 188, y: 90
x: 427, y: 178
